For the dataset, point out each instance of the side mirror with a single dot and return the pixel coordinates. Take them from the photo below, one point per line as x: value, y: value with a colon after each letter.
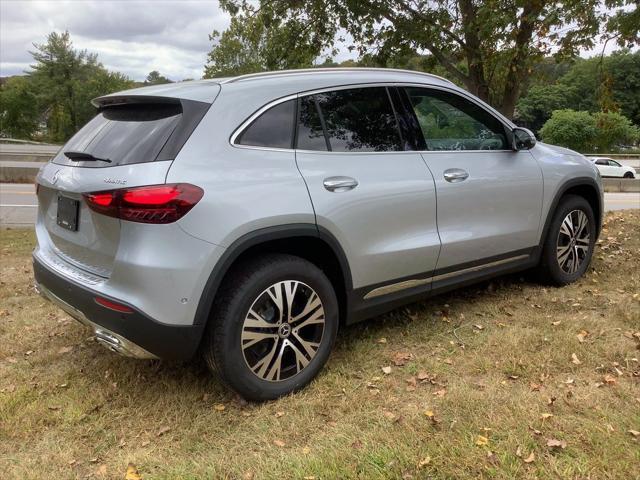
x: 523, y: 139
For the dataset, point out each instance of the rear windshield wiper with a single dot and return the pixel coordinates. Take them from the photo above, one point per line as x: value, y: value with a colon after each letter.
x: 84, y: 157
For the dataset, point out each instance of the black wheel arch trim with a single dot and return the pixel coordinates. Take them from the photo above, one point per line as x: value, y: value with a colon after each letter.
x: 255, y: 238
x: 571, y: 183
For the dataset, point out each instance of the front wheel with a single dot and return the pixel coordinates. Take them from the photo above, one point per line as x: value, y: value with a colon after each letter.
x: 568, y: 248
x: 273, y: 326
x: 628, y: 175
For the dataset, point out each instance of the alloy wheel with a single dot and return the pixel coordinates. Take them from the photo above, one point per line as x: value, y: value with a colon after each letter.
x: 283, y: 330
x: 573, y: 241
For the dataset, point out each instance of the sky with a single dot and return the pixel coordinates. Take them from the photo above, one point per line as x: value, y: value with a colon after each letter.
x: 130, y: 36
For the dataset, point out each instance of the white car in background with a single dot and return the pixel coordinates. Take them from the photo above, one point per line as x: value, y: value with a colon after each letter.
x: 611, y: 168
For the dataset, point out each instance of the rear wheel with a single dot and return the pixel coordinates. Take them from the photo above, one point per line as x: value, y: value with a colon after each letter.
x: 273, y: 326
x: 568, y: 247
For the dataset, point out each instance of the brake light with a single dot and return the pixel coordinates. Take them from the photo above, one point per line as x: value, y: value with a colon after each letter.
x: 149, y: 204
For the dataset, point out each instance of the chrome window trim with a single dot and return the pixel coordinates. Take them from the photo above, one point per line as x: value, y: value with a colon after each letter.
x: 236, y: 133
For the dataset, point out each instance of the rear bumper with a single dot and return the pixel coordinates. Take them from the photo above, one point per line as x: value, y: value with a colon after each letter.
x: 132, y: 334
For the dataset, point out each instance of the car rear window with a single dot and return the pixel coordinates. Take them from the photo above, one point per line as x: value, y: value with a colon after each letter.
x: 125, y: 134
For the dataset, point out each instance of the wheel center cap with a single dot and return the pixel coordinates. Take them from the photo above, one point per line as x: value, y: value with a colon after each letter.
x: 284, y: 330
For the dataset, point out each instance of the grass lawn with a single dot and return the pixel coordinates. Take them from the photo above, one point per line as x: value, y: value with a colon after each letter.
x: 508, y: 379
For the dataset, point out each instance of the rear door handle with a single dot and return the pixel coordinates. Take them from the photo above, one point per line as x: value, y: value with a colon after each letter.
x: 340, y: 184
x: 455, y: 175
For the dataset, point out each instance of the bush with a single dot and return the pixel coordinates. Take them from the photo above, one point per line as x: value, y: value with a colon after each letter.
x: 571, y: 129
x: 586, y: 132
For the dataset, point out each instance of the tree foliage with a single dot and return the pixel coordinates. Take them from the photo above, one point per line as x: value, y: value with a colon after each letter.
x: 610, y: 83
x: 587, y: 132
x: 156, y: 78
x: 489, y: 47
x: 56, y: 93
x: 19, y: 115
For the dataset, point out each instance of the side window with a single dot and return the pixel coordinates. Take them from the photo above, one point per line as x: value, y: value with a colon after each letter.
x: 602, y: 162
x: 274, y: 128
x: 451, y: 122
x: 310, y: 132
x: 613, y: 163
x: 353, y: 120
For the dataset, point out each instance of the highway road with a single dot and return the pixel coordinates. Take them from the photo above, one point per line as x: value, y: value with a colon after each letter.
x: 18, y: 203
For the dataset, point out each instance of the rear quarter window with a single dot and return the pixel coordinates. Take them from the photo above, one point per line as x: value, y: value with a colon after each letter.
x: 273, y: 128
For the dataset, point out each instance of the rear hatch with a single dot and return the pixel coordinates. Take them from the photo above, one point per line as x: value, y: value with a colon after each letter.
x: 131, y: 142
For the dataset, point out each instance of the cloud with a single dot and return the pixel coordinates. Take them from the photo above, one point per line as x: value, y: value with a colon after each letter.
x: 130, y: 36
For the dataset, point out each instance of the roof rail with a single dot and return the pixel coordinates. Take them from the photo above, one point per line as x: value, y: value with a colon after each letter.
x: 308, y: 71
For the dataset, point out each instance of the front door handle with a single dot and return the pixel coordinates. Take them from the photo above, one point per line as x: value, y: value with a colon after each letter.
x: 340, y: 184
x: 455, y: 175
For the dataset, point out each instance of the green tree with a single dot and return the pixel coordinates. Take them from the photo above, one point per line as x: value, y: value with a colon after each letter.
x: 535, y: 108
x: 262, y: 41
x: 571, y: 129
x: 489, y: 47
x: 155, y: 78
x: 19, y: 113
x: 65, y: 80
x: 613, y: 130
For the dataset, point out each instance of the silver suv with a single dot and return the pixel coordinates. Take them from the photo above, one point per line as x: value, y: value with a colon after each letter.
x: 247, y: 218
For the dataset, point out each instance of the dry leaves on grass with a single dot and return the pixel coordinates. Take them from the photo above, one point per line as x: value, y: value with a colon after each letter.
x: 386, y: 370
x: 530, y: 458
x: 401, y: 358
x: 162, y: 431
x: 279, y: 443
x: 132, y: 473
x: 575, y: 360
x: 482, y: 440
x: 554, y: 443
x: 424, y: 462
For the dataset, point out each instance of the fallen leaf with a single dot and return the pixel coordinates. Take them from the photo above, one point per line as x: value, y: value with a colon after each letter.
x: 279, y: 414
x: 248, y: 475
x: 54, y: 407
x: 145, y: 443
x: 530, y: 458
x: 424, y: 462
x: 574, y: 359
x: 64, y: 350
x: 609, y: 379
x: 429, y: 414
x: 218, y: 407
x: 482, y: 440
x: 401, y: 358
x: 556, y: 323
x: 163, y: 430
x: 544, y: 416
x: 382, y: 340
x: 132, y: 473
x: 448, y: 361
x: 635, y: 433
x: 386, y: 370
x: 553, y: 443
x: 423, y: 376
x: 440, y: 393
x: 356, y: 445
x: 279, y: 443
x: 478, y: 326
x: 582, y: 335
x: 389, y: 415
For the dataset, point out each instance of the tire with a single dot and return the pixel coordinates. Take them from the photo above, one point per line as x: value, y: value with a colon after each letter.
x: 628, y: 175
x: 556, y: 264
x: 248, y: 333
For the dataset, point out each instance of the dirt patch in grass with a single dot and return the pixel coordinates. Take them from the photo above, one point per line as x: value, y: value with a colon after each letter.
x: 483, y: 382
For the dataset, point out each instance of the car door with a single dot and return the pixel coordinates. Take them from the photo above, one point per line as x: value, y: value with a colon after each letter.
x: 489, y: 196
x: 377, y: 199
x: 602, y: 164
x: 615, y: 169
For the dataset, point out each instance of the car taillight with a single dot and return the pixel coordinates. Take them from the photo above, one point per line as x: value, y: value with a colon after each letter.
x: 150, y: 204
